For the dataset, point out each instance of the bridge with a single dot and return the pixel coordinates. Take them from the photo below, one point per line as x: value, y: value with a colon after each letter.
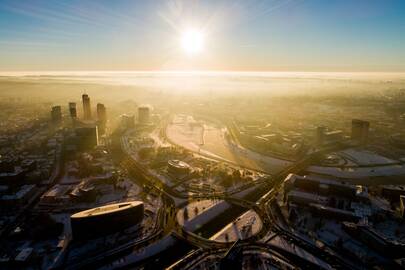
x: 268, y: 219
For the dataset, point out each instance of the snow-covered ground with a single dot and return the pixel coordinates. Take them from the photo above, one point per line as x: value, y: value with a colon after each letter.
x: 138, y: 255
x: 361, y: 164
x: 282, y: 243
x: 211, y: 140
x: 246, y: 225
x: 206, y: 210
x: 365, y: 158
x: 359, y: 172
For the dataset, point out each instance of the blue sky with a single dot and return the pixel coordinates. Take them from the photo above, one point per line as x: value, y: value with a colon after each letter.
x: 263, y: 35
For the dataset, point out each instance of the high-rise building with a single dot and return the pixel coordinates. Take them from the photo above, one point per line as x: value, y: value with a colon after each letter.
x: 143, y: 114
x: 360, y: 130
x: 72, y: 110
x: 101, y: 118
x: 86, y: 107
x: 127, y: 121
x: 56, y: 114
x: 101, y: 112
x: 87, y: 137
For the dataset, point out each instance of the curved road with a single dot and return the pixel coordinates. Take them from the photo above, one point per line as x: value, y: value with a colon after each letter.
x: 170, y: 225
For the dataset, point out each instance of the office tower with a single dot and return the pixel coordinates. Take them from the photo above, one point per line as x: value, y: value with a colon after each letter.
x: 143, y: 114
x: 72, y: 110
x: 127, y: 121
x: 101, y: 117
x: 86, y: 107
x: 360, y: 130
x: 56, y: 114
x: 101, y: 113
x: 87, y: 137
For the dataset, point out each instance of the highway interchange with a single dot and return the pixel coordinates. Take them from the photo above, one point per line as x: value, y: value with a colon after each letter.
x: 262, y: 204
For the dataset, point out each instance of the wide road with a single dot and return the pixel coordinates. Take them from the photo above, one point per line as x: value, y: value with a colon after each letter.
x: 274, y: 184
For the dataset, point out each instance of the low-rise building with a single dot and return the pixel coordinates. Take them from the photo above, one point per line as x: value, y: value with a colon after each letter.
x: 178, y: 167
x: 104, y: 220
x: 305, y: 198
x: 19, y: 198
x: 375, y: 239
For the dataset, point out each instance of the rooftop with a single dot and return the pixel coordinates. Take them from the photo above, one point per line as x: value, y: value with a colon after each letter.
x: 106, y: 209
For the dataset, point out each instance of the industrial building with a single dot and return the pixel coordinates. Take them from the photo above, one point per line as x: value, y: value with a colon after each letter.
x: 305, y: 198
x: 374, y: 239
x: 332, y: 212
x: 104, y: 220
x: 324, y: 187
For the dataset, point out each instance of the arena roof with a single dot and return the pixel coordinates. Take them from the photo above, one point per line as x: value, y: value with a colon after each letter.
x: 107, y: 209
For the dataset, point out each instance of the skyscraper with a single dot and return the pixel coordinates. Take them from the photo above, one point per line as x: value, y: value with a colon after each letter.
x: 127, y: 121
x: 87, y: 137
x: 143, y: 114
x: 101, y: 118
x: 101, y: 112
x: 72, y: 110
x: 86, y: 107
x: 56, y: 114
x: 360, y: 130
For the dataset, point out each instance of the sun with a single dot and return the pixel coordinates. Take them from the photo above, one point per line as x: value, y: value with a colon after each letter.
x: 192, y: 41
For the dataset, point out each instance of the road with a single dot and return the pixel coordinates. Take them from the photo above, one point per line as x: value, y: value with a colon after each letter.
x: 269, y: 221
x: 169, y: 225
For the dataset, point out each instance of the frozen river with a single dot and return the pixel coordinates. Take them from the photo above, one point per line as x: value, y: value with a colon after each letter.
x: 211, y: 140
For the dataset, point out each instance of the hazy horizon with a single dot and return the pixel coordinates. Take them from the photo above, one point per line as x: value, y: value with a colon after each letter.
x: 124, y: 85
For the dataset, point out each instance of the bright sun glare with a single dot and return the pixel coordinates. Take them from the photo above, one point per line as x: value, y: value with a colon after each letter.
x: 192, y: 41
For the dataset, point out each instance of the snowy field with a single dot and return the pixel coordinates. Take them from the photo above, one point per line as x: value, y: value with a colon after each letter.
x: 284, y: 244
x: 195, y: 209
x: 246, y: 225
x: 365, y: 158
x: 360, y: 172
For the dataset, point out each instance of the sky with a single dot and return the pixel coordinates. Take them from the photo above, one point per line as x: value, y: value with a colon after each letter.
x: 238, y: 35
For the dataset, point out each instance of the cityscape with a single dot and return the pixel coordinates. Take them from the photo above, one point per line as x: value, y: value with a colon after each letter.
x: 194, y: 166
